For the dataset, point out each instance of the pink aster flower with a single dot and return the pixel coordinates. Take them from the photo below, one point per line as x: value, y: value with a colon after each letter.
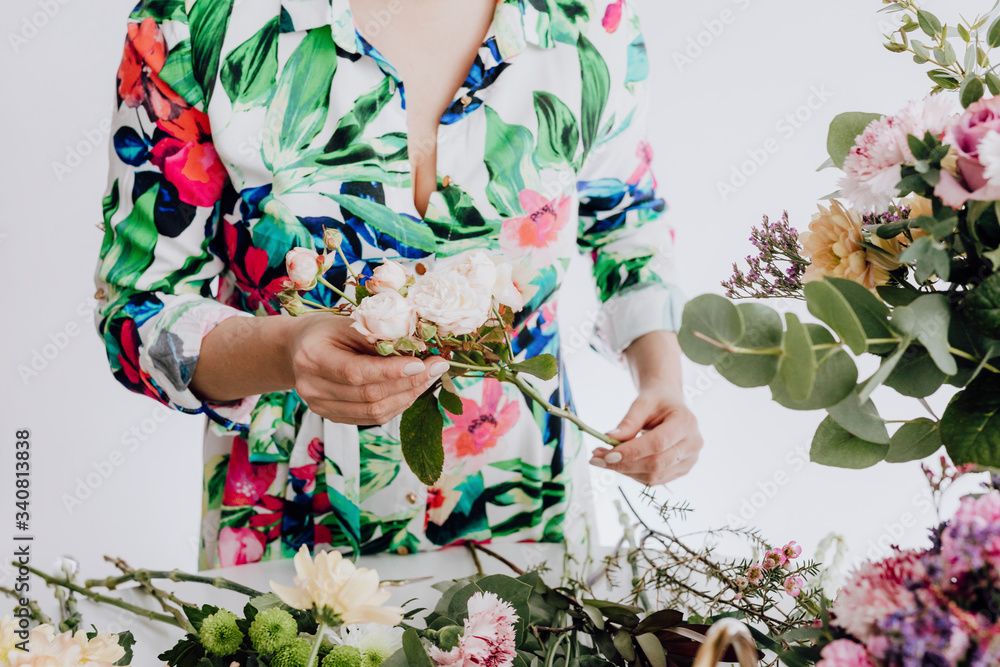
x: 845, y: 653
x: 791, y: 550
x: 488, y: 640
x: 877, y: 590
x: 794, y: 584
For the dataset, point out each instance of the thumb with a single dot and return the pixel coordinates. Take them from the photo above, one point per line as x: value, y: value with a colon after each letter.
x: 633, y: 422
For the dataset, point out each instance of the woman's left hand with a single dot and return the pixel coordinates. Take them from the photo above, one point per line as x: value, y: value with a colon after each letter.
x: 660, y: 440
x: 659, y: 435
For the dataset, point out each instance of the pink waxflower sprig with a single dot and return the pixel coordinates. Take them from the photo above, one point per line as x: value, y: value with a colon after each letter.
x: 462, y: 309
x: 776, y: 572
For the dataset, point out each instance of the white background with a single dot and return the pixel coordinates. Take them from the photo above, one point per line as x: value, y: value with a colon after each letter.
x: 744, y: 86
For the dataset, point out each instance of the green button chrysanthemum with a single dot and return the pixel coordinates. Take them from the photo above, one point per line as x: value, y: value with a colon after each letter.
x: 343, y: 656
x: 293, y: 654
x: 271, y: 629
x: 220, y: 634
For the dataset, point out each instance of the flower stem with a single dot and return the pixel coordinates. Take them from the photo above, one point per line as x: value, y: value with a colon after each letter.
x: 470, y: 367
x: 321, y: 307
x: 515, y: 379
x: 104, y: 599
x: 319, y: 641
x: 337, y: 291
x: 347, y: 264
x: 965, y: 355
x: 173, y: 575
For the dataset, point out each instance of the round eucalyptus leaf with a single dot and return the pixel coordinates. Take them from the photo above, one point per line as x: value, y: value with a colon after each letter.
x: 836, y: 378
x: 761, y: 331
x: 914, y: 441
x: 828, y: 304
x: 916, y: 375
x: 860, y: 419
x: 836, y: 447
x: 797, y: 368
x: 715, y: 318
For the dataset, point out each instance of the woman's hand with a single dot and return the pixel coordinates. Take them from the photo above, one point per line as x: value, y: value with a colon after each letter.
x: 340, y: 378
x: 659, y: 435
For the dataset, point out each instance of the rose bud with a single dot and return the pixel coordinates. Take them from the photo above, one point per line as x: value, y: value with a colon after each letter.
x: 332, y: 239
x: 304, y: 267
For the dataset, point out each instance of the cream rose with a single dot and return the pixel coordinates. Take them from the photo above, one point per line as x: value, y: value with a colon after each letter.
x: 477, y: 268
x: 387, y: 277
x: 385, y: 316
x: 505, y: 291
x: 305, y: 266
x: 449, y: 300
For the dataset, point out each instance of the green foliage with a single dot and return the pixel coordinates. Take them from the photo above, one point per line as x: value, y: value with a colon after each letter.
x: 835, y: 446
x: 970, y: 427
x: 420, y: 434
x: 543, y: 366
x: 914, y: 441
x: 844, y: 131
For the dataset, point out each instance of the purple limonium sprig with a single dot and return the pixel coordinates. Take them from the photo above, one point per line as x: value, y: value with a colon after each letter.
x: 894, y: 214
x: 777, y: 269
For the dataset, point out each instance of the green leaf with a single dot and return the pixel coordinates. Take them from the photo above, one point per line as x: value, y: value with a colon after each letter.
x: 208, y: 20
x: 420, y: 433
x: 897, y: 296
x: 798, y: 363
x: 250, y: 70
x: 659, y: 620
x: 651, y: 646
x: 844, y: 131
x: 416, y: 654
x: 939, y: 228
x: 450, y: 402
x: 993, y: 36
x: 131, y: 251
x: 972, y: 91
x: 928, y: 258
x: 829, y: 305
x: 916, y: 375
x: 982, y: 307
x: 928, y: 320
x: 885, y: 369
x: 595, y: 615
x: 509, y: 150
x: 861, y: 420
x: 543, y: 366
x: 623, y: 642
x: 762, y: 331
x: 914, y: 441
x: 713, y: 317
x: 970, y: 427
x: 558, y: 131
x: 929, y: 23
x: 834, y: 446
x: 836, y: 377
x: 178, y: 73
x: 993, y: 83
x: 411, y: 233
x: 872, y: 312
x: 596, y: 90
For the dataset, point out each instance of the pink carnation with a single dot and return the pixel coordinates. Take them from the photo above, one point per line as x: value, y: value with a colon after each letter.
x: 876, y: 590
x: 873, y: 168
x: 488, y: 640
x: 845, y: 653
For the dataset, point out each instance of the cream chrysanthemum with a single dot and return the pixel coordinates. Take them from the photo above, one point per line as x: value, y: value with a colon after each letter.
x: 835, y: 246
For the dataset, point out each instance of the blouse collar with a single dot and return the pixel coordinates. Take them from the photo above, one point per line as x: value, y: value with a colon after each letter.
x: 516, y: 23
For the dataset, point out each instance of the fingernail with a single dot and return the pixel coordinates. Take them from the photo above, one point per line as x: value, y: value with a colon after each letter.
x: 615, y: 431
x: 439, y: 369
x: 613, y: 458
x: 598, y: 462
x: 416, y: 368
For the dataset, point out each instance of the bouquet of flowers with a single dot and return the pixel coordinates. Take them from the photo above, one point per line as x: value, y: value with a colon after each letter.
x: 462, y: 310
x: 902, y: 264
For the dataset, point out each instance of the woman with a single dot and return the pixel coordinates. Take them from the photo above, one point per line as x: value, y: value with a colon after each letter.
x: 245, y: 129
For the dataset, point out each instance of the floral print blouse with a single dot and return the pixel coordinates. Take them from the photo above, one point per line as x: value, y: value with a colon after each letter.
x: 243, y: 129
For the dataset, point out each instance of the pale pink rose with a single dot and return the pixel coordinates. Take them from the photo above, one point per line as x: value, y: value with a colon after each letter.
x: 845, y: 653
x: 387, y: 277
x: 505, y: 291
x: 488, y: 638
x: 385, y: 316
x: 876, y: 590
x: 536, y: 232
x: 476, y: 267
x: 48, y: 649
x: 966, y: 137
x: 448, y: 300
x: 305, y: 266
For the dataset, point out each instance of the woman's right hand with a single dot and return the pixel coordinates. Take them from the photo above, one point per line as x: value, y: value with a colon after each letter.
x: 341, y: 377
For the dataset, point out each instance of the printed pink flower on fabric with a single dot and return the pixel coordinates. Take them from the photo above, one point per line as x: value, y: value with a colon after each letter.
x: 845, y: 653
x: 481, y: 425
x: 967, y: 136
x: 613, y: 16
x: 536, y: 232
x: 876, y: 590
x: 488, y: 640
x: 246, y: 482
x: 239, y: 546
x: 188, y: 159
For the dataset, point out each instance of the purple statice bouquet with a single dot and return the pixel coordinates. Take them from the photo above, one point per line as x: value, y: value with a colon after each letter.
x: 936, y: 607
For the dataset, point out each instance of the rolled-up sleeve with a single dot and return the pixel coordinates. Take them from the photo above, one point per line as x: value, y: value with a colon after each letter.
x: 622, y: 223
x: 167, y: 190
